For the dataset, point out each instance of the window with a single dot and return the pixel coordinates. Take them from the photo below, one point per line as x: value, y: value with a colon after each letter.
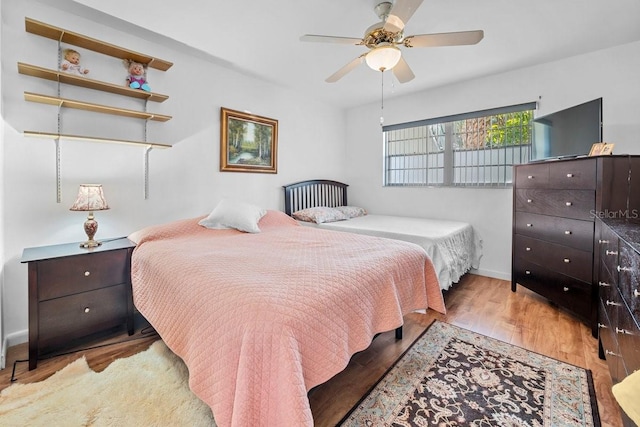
x: 472, y: 149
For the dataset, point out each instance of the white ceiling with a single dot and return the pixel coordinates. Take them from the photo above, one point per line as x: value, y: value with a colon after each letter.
x: 261, y: 37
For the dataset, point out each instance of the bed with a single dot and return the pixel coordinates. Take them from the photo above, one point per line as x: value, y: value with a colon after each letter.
x: 454, y: 247
x: 260, y: 318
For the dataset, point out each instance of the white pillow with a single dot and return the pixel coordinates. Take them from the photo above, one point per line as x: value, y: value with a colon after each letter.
x: 234, y: 214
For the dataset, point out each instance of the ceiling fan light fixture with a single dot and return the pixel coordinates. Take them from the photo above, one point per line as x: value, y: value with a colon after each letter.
x: 383, y: 57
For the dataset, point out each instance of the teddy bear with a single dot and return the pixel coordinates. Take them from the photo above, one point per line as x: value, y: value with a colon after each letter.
x: 137, y: 78
x: 71, y: 63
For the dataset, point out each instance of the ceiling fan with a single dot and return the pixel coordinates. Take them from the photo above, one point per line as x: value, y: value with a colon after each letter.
x: 383, y: 39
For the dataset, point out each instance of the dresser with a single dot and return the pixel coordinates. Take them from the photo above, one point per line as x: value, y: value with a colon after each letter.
x: 555, y: 205
x: 619, y: 301
x: 76, y: 292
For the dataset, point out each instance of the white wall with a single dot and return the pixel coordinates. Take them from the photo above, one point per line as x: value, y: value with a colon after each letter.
x: 184, y: 180
x: 611, y: 74
x: 2, y: 257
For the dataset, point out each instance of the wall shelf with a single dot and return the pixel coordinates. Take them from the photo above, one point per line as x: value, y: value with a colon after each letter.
x: 62, y: 77
x: 97, y: 108
x: 62, y: 35
x: 57, y: 136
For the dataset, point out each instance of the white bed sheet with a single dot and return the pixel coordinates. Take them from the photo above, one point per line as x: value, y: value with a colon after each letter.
x: 454, y: 247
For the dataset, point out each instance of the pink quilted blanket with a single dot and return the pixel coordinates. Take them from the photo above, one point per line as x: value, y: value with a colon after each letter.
x: 260, y: 319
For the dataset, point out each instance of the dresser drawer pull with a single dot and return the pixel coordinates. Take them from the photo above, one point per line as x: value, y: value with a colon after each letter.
x: 570, y: 175
x: 567, y: 232
x: 602, y: 326
x: 623, y: 331
x: 566, y: 260
x: 603, y: 242
x: 568, y: 204
x: 636, y: 293
x: 87, y: 273
x: 87, y: 309
x: 565, y: 289
x: 527, y: 272
x: 623, y: 268
x: 611, y: 353
x: 529, y: 225
x: 604, y: 284
x: 615, y: 304
x: 527, y: 249
x: 530, y: 177
x: 529, y: 201
x: 608, y: 252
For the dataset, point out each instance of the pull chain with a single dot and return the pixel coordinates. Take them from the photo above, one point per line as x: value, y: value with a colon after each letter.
x: 382, y: 98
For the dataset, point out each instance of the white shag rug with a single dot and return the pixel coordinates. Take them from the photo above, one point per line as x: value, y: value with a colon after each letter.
x: 147, y: 389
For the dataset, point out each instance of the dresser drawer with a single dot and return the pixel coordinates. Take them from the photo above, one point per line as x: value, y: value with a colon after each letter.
x: 577, y: 204
x: 68, y: 318
x: 629, y: 279
x: 562, y: 290
x: 532, y: 176
x: 580, y: 175
x: 628, y: 335
x: 562, y: 259
x: 565, y: 231
x: 609, y: 342
x: 608, y: 244
x: 67, y: 276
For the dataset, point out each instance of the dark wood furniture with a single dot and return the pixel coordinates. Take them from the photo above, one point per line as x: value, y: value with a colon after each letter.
x: 555, y: 204
x: 619, y: 283
x: 75, y: 292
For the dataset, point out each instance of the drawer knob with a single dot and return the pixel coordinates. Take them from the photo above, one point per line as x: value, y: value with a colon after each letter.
x: 623, y: 268
x: 615, y: 304
x: 566, y: 260
x: 602, y: 326
x: 527, y: 249
x: 87, y: 273
x: 529, y: 225
x: 568, y: 204
x: 611, y: 353
x: 570, y: 175
x: 567, y: 232
x: 530, y: 177
x: 622, y: 331
x: 608, y: 252
x: 529, y: 201
x: 565, y: 289
x: 603, y: 242
x: 87, y: 309
x: 527, y: 272
x: 604, y: 284
x: 636, y: 293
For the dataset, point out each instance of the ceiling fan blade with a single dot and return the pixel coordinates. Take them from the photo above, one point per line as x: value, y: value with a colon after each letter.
x: 330, y: 39
x: 344, y: 70
x: 400, y: 14
x: 444, y: 39
x: 402, y: 71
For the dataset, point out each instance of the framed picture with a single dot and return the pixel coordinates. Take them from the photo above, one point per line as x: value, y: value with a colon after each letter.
x: 601, y: 149
x: 248, y: 143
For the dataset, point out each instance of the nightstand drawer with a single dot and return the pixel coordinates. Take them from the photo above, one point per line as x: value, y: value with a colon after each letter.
x: 68, y: 318
x: 67, y: 276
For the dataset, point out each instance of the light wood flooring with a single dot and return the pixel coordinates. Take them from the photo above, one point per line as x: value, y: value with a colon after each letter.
x: 477, y: 303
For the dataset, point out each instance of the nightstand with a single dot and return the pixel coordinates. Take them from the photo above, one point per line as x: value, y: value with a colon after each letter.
x: 76, y: 292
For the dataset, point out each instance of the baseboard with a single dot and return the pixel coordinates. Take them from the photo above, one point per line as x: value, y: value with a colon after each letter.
x: 491, y: 273
x: 3, y: 356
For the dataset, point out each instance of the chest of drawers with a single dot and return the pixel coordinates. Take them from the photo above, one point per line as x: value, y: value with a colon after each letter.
x: 75, y: 292
x: 619, y: 301
x: 555, y: 205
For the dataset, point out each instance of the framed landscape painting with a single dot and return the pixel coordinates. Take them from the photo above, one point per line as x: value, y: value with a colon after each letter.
x: 248, y: 143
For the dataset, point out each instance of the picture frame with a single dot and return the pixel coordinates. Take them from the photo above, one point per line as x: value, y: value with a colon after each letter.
x: 248, y: 142
x: 601, y: 149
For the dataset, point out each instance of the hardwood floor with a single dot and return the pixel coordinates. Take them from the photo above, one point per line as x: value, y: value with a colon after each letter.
x: 477, y: 303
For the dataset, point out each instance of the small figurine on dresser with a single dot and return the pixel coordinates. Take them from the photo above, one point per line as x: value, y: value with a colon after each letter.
x: 137, y: 78
x: 71, y: 63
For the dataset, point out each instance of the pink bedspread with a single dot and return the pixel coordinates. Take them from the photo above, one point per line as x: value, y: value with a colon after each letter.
x: 260, y: 319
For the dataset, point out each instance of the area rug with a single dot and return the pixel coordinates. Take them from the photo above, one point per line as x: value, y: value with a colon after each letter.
x: 147, y: 389
x: 454, y: 377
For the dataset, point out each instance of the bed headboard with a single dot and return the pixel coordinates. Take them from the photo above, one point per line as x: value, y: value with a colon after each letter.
x: 314, y: 193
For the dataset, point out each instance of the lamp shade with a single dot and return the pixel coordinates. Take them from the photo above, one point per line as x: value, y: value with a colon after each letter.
x: 90, y: 198
x: 383, y: 57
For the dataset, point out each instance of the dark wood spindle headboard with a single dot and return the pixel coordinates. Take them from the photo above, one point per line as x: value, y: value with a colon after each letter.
x: 314, y: 193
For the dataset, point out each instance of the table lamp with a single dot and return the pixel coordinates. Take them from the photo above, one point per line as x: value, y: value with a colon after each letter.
x: 90, y: 198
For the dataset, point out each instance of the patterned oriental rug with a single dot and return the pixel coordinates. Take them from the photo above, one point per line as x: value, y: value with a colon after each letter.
x: 454, y: 377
